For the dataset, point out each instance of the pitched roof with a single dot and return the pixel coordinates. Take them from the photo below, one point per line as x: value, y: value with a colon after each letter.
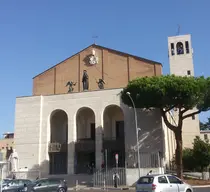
x: 109, y: 49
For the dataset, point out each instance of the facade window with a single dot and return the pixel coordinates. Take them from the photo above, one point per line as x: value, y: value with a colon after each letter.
x: 187, y: 47
x: 188, y: 72
x: 205, y: 136
x: 193, y: 117
x: 172, y: 49
x: 179, y: 48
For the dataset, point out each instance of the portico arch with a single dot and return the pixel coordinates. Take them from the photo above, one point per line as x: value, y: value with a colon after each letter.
x: 179, y: 48
x: 58, y: 142
x: 85, y: 144
x: 113, y: 135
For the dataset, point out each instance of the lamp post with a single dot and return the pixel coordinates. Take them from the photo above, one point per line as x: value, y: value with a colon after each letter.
x: 137, y: 131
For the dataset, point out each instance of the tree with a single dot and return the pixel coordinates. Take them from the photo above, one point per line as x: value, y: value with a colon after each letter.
x: 201, y: 153
x: 205, y: 126
x: 166, y: 93
x: 188, y: 159
x: 198, y: 157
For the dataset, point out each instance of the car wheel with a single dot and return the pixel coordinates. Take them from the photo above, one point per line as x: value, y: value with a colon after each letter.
x: 188, y: 190
x: 61, y: 190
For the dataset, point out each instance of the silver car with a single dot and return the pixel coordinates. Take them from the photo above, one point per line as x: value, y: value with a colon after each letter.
x: 15, y: 184
x: 162, y: 183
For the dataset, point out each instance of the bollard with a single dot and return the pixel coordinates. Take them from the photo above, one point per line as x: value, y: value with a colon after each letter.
x: 76, y: 188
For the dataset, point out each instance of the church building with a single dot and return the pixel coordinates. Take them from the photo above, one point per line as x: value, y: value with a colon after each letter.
x: 75, y: 114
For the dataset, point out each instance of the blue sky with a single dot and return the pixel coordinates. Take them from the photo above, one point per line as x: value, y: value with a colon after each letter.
x: 35, y: 35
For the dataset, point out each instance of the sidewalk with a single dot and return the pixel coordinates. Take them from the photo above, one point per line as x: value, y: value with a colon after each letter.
x: 120, y: 188
x: 99, y: 188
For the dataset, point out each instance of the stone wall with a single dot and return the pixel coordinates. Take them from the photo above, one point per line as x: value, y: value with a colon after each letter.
x: 32, y: 126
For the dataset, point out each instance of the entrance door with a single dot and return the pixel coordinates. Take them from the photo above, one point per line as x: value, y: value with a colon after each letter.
x: 120, y: 130
x: 85, y: 162
x: 58, y: 163
x: 92, y: 131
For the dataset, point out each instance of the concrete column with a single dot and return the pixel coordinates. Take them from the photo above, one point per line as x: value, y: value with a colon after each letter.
x: 99, y: 141
x: 71, y: 144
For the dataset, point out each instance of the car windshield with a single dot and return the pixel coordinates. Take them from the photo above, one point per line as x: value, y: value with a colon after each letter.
x: 6, y: 181
x: 145, y: 180
x: 35, y: 182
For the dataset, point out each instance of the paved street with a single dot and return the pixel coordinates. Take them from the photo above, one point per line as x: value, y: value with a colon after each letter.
x: 95, y: 190
x: 206, y: 189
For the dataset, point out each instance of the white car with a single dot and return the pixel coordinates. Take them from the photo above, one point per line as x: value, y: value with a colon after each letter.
x: 162, y: 183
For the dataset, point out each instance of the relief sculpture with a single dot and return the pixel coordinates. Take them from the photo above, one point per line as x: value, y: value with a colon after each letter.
x: 71, y: 85
x: 100, y: 83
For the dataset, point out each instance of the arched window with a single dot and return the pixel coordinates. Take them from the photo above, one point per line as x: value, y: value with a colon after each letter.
x: 187, y: 47
x: 172, y: 49
x: 179, y: 48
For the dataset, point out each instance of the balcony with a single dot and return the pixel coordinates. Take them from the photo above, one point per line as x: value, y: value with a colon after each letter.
x: 85, y: 145
x: 113, y: 143
x: 56, y: 147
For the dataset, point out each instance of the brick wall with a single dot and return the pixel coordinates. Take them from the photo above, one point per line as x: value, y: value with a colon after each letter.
x: 115, y: 68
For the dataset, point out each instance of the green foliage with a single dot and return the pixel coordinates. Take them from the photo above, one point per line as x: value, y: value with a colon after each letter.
x: 169, y: 91
x: 188, y: 159
x: 197, y: 158
x: 201, y: 152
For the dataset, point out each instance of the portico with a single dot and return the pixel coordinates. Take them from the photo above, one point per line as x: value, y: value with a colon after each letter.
x: 91, y: 127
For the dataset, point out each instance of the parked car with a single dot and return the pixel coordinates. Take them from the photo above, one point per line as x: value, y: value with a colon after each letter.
x: 15, y: 185
x: 49, y: 184
x: 5, y: 182
x: 162, y: 183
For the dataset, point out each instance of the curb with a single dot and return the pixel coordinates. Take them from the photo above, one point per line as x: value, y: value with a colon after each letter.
x: 120, y: 189
x: 98, y: 188
x: 200, y: 186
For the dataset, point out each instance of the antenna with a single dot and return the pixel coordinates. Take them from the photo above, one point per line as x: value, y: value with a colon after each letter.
x: 178, y: 31
x: 94, y: 37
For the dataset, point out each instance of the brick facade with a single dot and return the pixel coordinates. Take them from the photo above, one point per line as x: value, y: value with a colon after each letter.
x: 116, y: 68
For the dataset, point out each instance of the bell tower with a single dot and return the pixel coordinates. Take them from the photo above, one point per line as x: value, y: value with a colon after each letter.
x: 181, y: 64
x: 181, y: 55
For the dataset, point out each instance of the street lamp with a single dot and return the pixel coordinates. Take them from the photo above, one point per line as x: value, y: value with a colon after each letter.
x: 137, y: 130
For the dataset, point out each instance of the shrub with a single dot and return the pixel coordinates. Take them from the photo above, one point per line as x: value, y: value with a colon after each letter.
x: 189, y: 163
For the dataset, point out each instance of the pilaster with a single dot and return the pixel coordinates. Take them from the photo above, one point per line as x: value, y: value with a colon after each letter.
x: 71, y: 144
x: 99, y: 140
